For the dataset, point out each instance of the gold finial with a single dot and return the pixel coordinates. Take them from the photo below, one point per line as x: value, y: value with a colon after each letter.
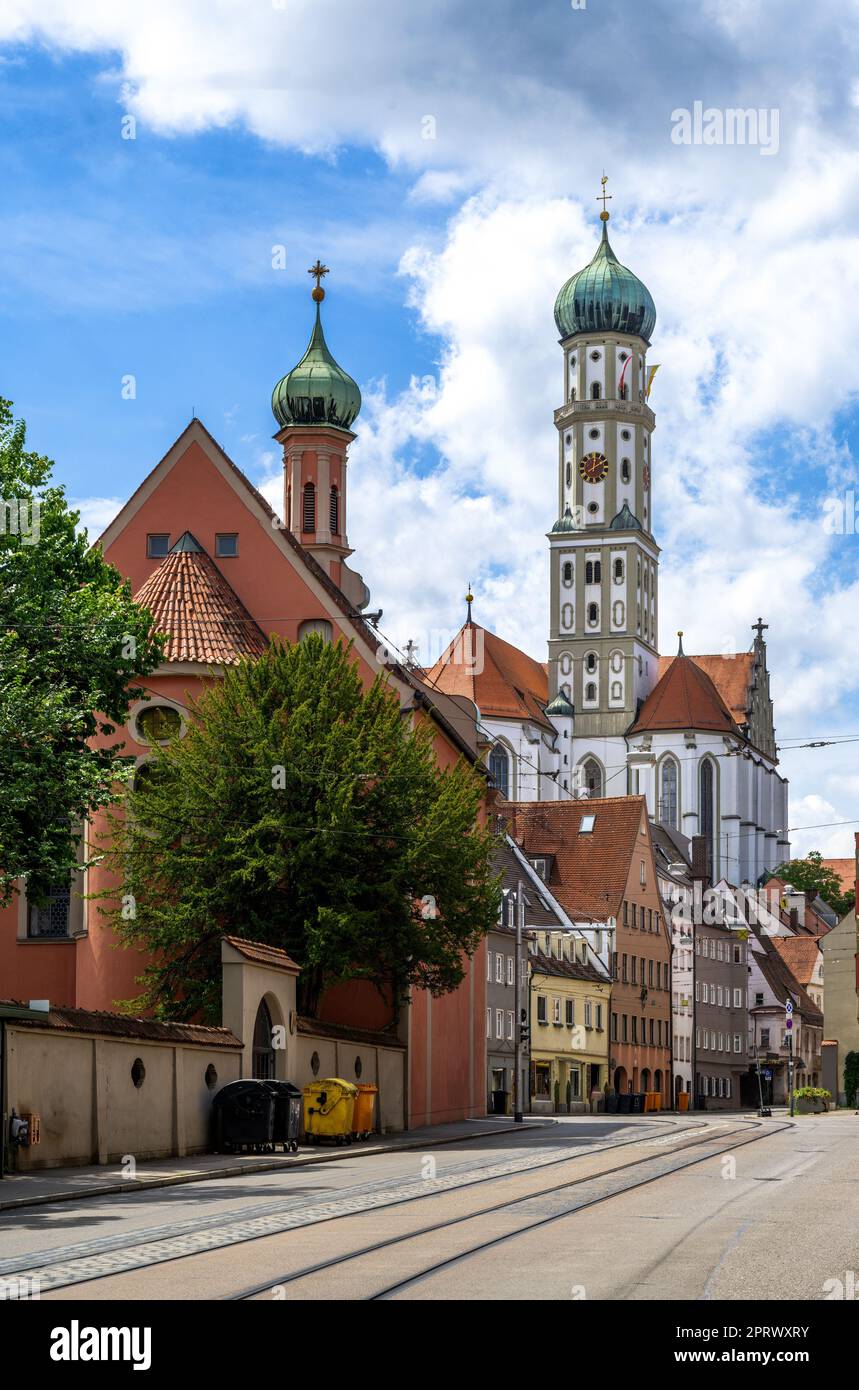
x: 469, y: 598
x: 680, y: 651
x: 604, y: 198
x: 318, y: 270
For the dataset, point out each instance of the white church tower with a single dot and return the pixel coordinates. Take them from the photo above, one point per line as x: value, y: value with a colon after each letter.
x: 603, y: 642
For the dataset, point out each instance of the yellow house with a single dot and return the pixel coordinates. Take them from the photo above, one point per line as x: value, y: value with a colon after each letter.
x: 569, y: 998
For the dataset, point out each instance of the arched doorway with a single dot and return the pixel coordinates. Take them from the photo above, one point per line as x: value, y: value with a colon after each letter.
x: 657, y: 1080
x: 621, y: 1084
x: 262, y: 1058
x: 645, y: 1079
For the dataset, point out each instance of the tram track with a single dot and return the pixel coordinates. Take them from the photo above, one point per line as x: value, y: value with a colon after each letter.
x: 615, y: 1178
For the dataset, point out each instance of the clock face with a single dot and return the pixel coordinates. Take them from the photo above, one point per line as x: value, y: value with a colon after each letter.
x: 645, y: 476
x: 593, y: 467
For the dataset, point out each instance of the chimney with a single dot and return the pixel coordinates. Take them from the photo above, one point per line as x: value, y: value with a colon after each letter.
x: 794, y: 920
x: 700, y: 859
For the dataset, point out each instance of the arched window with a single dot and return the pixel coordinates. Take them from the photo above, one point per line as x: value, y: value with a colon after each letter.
x: 499, y: 770
x: 624, y: 471
x: 596, y: 391
x: 618, y: 571
x: 572, y: 393
x: 668, y: 793
x: 589, y: 572
x: 597, y: 571
x: 593, y: 614
x: 590, y: 691
x: 706, y: 811
x: 567, y: 573
x: 591, y: 662
x: 334, y: 512
x: 592, y: 778
x: 263, y: 1048
x: 308, y: 512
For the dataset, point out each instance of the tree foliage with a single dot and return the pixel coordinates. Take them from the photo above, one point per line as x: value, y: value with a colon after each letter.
x: 302, y: 810
x: 811, y: 875
x: 72, y: 641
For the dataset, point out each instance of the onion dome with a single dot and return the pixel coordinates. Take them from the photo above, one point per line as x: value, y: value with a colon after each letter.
x: 560, y: 707
x: 605, y: 297
x: 565, y: 523
x: 625, y: 521
x: 317, y: 391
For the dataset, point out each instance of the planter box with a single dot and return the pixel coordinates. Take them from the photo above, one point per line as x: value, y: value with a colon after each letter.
x: 804, y: 1106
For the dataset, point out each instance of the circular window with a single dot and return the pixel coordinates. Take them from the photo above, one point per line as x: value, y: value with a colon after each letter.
x: 623, y: 356
x: 158, y: 723
x: 593, y: 434
x: 149, y: 775
x: 359, y: 1066
x: 211, y: 1077
x: 595, y: 357
x: 569, y: 439
x: 625, y: 434
x: 593, y: 507
x: 138, y: 1072
x: 314, y: 1064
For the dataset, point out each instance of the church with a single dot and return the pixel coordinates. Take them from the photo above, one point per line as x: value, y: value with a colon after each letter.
x: 607, y: 715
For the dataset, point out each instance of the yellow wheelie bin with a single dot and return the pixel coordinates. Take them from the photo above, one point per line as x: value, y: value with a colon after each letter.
x: 328, y: 1108
x: 364, y: 1117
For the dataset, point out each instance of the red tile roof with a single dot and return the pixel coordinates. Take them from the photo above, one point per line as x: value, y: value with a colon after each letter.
x: 202, y: 617
x: 590, y: 869
x: 501, y: 680
x: 70, y: 1020
x: 846, y: 871
x: 800, y: 955
x: 262, y: 954
x: 732, y: 676
x: 685, y: 698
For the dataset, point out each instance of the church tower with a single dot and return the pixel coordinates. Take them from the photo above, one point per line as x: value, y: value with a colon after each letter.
x: 603, y: 651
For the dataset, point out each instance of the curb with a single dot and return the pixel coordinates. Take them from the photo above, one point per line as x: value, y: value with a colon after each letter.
x: 129, y: 1186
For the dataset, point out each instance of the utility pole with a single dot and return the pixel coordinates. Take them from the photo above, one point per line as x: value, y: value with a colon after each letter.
x: 517, y: 1006
x: 788, y: 1024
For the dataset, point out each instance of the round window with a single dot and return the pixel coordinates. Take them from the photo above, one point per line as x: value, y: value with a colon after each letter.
x: 625, y: 434
x: 149, y: 775
x: 569, y: 439
x: 595, y: 357
x: 593, y: 434
x: 593, y: 507
x: 158, y: 723
x: 138, y: 1072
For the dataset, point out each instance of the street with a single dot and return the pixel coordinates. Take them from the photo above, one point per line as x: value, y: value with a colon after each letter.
x: 697, y: 1207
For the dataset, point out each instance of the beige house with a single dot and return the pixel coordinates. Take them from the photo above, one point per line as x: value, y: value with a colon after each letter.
x: 840, y: 949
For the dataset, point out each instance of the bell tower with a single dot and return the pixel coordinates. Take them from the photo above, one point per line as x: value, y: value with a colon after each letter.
x: 604, y: 560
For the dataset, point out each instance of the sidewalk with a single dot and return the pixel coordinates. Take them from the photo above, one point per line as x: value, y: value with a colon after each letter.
x: 73, y: 1184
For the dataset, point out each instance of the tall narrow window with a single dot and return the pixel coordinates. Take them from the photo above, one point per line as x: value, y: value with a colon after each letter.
x: 618, y: 571
x: 592, y: 777
x: 499, y: 770
x: 567, y: 574
x: 589, y: 572
x: 334, y: 512
x: 595, y: 391
x: 308, y: 514
x: 668, y: 793
x: 706, y: 814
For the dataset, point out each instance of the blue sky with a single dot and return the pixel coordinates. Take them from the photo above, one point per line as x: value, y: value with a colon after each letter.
x: 446, y: 168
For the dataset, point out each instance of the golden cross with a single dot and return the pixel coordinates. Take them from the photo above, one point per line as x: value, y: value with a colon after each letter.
x: 318, y: 270
x: 603, y: 197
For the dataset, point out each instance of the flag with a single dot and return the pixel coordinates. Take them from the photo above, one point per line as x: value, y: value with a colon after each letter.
x: 651, y: 373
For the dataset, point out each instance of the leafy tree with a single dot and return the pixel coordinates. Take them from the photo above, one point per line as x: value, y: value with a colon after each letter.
x: 71, y: 641
x: 302, y: 810
x: 811, y: 875
x: 851, y: 1078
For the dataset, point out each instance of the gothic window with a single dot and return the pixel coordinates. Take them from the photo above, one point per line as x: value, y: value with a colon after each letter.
x: 706, y: 812
x: 618, y: 570
x: 263, y: 1044
x: 592, y: 778
x: 308, y: 513
x: 334, y: 509
x: 596, y: 391
x: 668, y: 793
x: 593, y: 614
x: 499, y: 770
x: 567, y: 573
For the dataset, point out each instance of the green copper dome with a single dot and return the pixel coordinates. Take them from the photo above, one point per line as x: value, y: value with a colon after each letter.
x: 625, y: 521
x: 561, y: 707
x: 317, y: 391
x: 565, y: 523
x: 605, y: 297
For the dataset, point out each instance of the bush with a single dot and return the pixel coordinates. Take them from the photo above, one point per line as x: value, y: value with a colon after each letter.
x: 812, y: 1093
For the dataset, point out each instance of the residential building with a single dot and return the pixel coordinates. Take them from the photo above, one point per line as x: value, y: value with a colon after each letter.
x: 771, y: 985
x: 598, y: 861
x: 674, y: 874
x: 570, y: 991
x: 840, y: 949
x: 721, y: 1057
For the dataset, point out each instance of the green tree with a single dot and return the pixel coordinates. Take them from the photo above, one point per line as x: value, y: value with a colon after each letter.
x: 72, y: 640
x: 302, y: 810
x: 811, y: 875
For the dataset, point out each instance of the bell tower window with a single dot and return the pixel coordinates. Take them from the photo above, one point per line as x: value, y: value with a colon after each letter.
x: 334, y: 509
x: 596, y: 391
x: 308, y: 510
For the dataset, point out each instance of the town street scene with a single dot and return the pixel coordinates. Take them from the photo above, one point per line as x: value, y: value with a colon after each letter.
x: 429, y: 796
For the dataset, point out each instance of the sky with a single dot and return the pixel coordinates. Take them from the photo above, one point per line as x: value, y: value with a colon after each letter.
x: 170, y: 169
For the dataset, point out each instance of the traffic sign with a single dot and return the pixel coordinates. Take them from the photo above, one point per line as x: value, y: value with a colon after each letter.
x: 788, y: 1008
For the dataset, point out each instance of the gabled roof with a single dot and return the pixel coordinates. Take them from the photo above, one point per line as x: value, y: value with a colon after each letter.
x: 845, y: 870
x: 684, y: 698
x: 260, y: 953
x: 590, y: 868
x: 781, y: 979
x: 504, y: 682
x: 202, y: 616
x: 731, y: 674
x: 800, y: 954
x: 541, y: 964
